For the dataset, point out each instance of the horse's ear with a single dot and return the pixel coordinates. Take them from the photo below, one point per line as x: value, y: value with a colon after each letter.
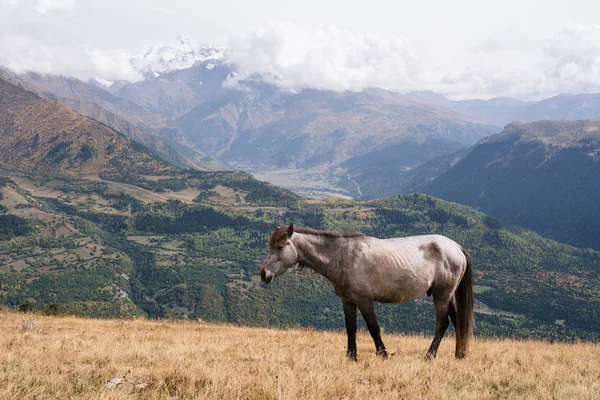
x: 276, y: 226
x: 290, y: 230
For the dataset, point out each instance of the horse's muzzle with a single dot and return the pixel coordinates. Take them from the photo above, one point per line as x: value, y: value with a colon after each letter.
x: 265, y: 278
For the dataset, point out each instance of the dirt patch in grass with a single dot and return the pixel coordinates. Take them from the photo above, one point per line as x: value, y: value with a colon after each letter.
x: 12, y: 199
x: 147, y: 240
x: 228, y: 196
x: 147, y: 196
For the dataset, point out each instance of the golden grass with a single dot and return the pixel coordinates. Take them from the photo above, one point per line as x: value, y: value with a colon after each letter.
x: 67, y: 357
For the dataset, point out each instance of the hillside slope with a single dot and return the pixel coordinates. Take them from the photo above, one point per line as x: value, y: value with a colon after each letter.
x: 544, y: 176
x: 174, y: 93
x: 316, y: 127
x: 39, y: 135
x: 166, y: 359
x: 196, y: 244
x: 122, y: 115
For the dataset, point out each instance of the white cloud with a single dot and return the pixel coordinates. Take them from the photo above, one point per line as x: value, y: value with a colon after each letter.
x: 299, y: 56
x: 568, y: 62
x: 71, y: 37
x: 572, y: 60
x: 44, y: 6
x: 45, y: 36
x: 21, y: 53
x: 325, y: 57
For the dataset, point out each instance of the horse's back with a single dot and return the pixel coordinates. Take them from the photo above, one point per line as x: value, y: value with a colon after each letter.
x: 435, y: 247
x: 406, y: 268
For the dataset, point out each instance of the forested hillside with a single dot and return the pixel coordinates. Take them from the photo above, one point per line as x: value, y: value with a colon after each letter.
x: 193, y: 247
x: 543, y: 176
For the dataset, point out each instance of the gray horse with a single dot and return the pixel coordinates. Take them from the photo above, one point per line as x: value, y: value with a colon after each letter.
x: 364, y: 269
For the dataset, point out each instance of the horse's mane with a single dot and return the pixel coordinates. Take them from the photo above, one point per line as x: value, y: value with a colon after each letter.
x: 281, y: 232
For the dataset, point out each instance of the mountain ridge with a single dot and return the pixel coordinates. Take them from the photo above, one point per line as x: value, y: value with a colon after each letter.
x: 39, y: 134
x: 501, y: 111
x: 122, y: 115
x: 541, y: 175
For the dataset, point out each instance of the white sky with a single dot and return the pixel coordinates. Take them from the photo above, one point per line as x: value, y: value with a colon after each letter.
x: 467, y: 48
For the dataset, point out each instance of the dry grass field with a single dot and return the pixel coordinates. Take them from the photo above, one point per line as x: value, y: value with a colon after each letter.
x: 67, y: 357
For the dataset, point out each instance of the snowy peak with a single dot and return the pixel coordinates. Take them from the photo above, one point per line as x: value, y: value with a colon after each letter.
x: 178, y: 54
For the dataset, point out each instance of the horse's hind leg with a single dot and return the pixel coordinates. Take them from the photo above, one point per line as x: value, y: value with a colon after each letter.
x: 350, y: 315
x: 368, y: 313
x: 452, y: 311
x: 441, y: 324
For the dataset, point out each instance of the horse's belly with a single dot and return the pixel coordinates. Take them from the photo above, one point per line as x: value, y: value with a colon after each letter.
x: 404, y: 289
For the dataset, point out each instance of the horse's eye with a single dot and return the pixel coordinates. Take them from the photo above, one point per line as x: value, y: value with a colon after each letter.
x: 279, y: 247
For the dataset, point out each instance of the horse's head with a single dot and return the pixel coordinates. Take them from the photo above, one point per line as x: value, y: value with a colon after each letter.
x: 282, y: 254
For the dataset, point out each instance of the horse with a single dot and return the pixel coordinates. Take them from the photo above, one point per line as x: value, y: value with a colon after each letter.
x: 365, y: 269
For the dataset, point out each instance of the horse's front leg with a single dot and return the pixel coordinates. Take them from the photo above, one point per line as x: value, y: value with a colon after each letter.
x: 368, y: 313
x: 350, y: 315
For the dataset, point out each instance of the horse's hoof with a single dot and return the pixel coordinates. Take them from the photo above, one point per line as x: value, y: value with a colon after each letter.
x: 429, y: 356
x: 382, y: 353
x: 352, y: 356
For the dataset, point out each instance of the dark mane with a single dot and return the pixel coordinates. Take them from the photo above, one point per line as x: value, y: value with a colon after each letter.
x: 280, y: 233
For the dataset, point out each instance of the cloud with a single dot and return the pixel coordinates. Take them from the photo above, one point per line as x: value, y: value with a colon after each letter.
x: 44, y: 6
x: 48, y: 36
x: 21, y: 53
x: 568, y: 62
x: 44, y: 36
x: 572, y: 60
x: 325, y: 57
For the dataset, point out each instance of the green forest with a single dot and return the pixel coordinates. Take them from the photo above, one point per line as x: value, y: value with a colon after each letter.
x: 82, y: 248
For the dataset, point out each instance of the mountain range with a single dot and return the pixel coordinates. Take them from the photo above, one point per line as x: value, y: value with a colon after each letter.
x: 257, y: 127
x: 504, y: 110
x: 189, y: 111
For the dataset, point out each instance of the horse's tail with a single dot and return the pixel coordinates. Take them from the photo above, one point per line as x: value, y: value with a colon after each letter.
x: 464, y: 309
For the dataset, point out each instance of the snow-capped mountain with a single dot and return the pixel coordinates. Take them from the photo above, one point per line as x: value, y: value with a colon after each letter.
x: 178, y: 54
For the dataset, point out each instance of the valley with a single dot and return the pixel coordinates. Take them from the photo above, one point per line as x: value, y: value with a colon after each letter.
x: 312, y: 183
x: 375, y: 136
